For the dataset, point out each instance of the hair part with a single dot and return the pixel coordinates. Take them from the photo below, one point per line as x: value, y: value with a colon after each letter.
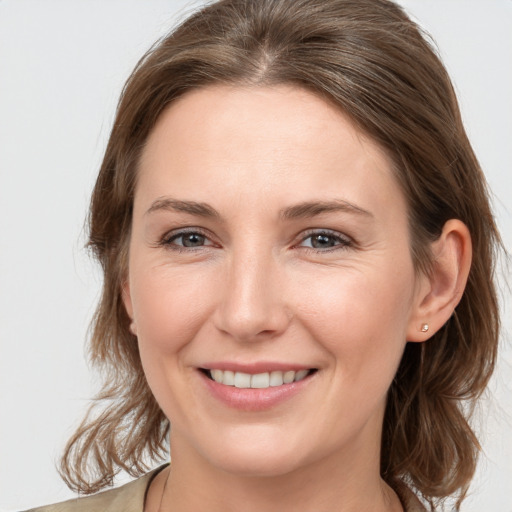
x: 371, y: 61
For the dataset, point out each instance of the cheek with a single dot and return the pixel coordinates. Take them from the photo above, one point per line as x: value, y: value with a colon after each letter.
x: 360, y: 317
x: 169, y: 307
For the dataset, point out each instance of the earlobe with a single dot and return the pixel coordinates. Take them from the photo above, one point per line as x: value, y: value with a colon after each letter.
x: 127, y: 299
x: 442, y: 290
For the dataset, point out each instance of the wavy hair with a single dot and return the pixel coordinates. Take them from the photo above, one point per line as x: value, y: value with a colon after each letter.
x: 371, y: 61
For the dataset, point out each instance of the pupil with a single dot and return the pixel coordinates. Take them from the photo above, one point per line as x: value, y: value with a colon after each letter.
x: 320, y: 241
x: 193, y: 240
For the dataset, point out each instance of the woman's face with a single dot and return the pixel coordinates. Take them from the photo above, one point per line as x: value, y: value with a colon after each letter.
x: 269, y: 243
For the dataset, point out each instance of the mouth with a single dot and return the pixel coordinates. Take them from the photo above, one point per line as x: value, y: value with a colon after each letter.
x: 263, y: 380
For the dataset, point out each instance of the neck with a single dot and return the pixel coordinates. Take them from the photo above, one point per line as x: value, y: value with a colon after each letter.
x: 328, y: 484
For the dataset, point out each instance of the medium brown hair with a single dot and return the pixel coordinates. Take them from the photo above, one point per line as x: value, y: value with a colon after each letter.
x: 371, y: 61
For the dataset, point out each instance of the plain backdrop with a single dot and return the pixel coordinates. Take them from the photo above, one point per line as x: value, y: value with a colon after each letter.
x: 62, y: 66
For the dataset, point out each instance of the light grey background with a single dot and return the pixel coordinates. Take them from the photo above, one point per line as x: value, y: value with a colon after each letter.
x: 62, y: 66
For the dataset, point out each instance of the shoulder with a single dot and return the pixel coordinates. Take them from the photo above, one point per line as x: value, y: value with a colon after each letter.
x: 128, y: 498
x: 409, y: 500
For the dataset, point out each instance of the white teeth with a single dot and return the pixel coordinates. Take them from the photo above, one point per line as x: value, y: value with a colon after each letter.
x: 288, y: 377
x: 242, y: 380
x: 276, y: 379
x: 217, y: 375
x: 260, y: 380
x: 257, y: 381
x: 228, y: 378
x: 300, y: 375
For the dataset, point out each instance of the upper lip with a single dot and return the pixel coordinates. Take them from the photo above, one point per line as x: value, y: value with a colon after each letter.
x: 254, y: 368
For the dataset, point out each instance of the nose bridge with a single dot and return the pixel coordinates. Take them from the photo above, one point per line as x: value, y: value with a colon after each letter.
x: 252, y: 304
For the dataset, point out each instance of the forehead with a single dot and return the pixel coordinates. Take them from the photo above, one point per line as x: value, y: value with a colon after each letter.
x: 262, y: 140
x: 279, y: 118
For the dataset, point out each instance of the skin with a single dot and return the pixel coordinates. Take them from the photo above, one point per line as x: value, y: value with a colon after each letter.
x: 254, y: 289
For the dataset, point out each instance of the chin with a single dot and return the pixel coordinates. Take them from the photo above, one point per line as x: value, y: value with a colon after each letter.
x: 261, y: 456
x: 252, y: 465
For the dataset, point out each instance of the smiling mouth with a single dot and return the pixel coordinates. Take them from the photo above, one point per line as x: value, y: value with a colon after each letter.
x: 264, y: 380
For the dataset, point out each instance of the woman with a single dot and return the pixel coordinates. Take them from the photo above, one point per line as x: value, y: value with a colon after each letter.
x: 298, y: 254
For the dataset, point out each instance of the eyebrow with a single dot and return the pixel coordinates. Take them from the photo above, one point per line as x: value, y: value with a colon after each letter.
x: 191, y: 207
x: 303, y: 210
x: 313, y: 208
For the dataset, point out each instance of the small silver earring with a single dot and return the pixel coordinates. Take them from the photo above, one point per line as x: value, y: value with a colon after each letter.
x: 424, y: 327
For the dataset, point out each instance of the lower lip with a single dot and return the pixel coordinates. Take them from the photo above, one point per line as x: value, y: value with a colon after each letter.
x: 249, y: 399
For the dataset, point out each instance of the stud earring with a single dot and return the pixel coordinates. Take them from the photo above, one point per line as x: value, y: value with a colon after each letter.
x: 424, y: 327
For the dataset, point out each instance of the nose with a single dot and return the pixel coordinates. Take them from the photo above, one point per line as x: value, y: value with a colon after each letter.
x: 252, y: 304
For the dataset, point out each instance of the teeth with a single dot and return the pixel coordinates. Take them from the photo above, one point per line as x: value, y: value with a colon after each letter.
x: 300, y: 375
x: 242, y: 380
x: 288, y: 377
x: 227, y: 377
x: 217, y: 375
x: 276, y: 379
x: 259, y: 380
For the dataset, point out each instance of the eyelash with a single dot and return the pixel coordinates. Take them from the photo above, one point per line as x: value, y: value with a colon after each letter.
x: 169, y: 238
x: 342, y: 241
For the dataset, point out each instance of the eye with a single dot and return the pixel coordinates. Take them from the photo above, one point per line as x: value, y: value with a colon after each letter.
x: 190, y: 240
x: 186, y: 240
x: 325, y: 240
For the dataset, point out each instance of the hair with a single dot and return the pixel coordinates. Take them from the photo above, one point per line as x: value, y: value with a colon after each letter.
x: 371, y: 61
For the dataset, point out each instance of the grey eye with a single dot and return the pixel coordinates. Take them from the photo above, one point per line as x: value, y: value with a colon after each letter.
x: 190, y: 240
x: 322, y: 241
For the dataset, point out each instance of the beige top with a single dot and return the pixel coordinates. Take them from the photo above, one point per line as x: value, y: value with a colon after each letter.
x: 131, y: 497
x: 126, y: 498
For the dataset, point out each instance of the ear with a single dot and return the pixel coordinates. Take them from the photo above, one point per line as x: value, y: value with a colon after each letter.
x: 127, y: 301
x: 439, y: 293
